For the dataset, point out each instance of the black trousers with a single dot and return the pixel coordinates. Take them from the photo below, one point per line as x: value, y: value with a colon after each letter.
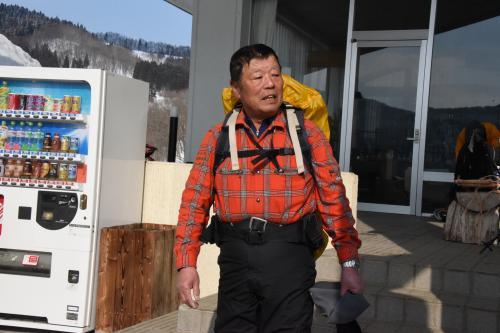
x: 265, y: 288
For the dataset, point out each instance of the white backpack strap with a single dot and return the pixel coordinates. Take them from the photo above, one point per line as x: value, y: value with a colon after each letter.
x: 293, y: 123
x: 233, y: 149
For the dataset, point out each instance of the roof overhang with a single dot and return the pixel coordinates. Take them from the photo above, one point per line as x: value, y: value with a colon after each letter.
x: 185, y: 5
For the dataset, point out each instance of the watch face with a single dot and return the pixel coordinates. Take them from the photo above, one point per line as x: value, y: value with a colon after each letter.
x: 351, y: 264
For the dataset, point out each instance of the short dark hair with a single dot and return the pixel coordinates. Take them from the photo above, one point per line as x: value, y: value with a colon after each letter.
x: 245, y: 54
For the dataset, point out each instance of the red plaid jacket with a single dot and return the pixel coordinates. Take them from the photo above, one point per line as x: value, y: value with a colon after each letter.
x: 258, y: 190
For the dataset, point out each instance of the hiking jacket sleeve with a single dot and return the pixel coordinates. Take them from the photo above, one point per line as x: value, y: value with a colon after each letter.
x: 196, y: 201
x: 331, y: 199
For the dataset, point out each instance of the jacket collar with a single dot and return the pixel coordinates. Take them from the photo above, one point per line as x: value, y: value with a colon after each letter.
x: 279, y: 119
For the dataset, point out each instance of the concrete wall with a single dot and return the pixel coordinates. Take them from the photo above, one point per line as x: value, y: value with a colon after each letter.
x: 216, y: 35
x: 164, y: 183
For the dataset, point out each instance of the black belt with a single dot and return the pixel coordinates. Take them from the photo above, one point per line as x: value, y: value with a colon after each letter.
x: 258, y: 231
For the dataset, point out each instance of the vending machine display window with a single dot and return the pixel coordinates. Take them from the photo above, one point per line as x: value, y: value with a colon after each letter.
x: 43, y: 133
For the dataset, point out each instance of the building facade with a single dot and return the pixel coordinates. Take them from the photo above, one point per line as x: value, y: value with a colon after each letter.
x: 401, y: 80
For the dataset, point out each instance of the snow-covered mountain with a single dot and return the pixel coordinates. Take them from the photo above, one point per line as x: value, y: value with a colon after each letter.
x: 147, y: 56
x: 13, y: 55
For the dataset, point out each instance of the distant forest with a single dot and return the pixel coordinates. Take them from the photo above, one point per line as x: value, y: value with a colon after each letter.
x: 143, y: 45
x: 60, y: 43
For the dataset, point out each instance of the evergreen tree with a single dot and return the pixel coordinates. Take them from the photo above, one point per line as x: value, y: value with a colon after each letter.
x: 86, y: 61
x: 66, y: 62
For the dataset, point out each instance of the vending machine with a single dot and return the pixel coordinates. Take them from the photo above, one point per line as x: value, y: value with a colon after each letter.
x: 71, y: 162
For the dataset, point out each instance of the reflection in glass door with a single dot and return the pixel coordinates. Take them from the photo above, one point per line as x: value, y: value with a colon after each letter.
x: 384, y: 108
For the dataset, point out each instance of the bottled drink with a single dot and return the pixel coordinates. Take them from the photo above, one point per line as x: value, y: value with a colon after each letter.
x: 18, y: 169
x: 4, y: 96
x: 28, y: 128
x: 4, y: 134
x: 20, y: 135
x: 37, y: 138
x: 56, y: 142
x: 47, y: 142
x: 9, y: 168
x: 12, y: 136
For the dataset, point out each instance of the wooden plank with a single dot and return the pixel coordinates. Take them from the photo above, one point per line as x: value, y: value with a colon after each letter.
x: 129, y: 275
x: 157, y: 306
x: 106, y: 277
x: 173, y: 299
x: 147, y: 271
x: 118, y: 285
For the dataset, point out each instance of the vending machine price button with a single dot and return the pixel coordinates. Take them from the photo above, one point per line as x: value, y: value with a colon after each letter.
x: 30, y: 260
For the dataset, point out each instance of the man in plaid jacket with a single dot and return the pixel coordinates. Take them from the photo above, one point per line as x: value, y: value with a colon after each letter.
x: 263, y: 200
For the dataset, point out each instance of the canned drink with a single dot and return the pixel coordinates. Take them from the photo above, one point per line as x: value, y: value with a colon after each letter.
x: 74, y: 145
x: 44, y: 170
x: 53, y: 170
x: 48, y: 104
x: 2, y: 168
x: 13, y: 101
x: 30, y: 103
x: 37, y: 168
x: 65, y: 142
x: 62, y: 173
x: 18, y: 169
x: 57, y: 107
x: 66, y: 104
x: 39, y: 102
x: 47, y: 142
x: 27, y: 169
x: 72, y: 170
x: 76, y: 106
x: 22, y: 102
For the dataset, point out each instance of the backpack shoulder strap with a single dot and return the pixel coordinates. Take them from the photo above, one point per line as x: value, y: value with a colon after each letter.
x: 298, y: 130
x: 293, y: 128
x: 223, y: 147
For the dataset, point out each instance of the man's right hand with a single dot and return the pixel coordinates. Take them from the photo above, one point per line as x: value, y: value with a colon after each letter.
x: 187, y: 280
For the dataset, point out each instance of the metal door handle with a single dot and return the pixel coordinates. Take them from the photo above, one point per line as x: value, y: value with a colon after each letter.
x: 416, y: 138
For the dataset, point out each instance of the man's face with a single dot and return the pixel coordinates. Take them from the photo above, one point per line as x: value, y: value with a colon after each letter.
x: 260, y: 89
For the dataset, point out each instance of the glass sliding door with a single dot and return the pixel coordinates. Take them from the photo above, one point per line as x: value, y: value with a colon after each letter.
x: 383, y: 126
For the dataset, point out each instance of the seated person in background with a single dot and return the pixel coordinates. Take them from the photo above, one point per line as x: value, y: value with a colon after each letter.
x: 476, y: 156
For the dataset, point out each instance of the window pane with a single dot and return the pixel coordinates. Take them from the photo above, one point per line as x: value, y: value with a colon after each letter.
x: 310, y: 40
x: 464, y: 80
x: 391, y: 15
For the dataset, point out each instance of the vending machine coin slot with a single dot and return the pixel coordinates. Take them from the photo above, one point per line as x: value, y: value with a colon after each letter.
x: 83, y: 201
x: 24, y: 213
x: 55, y: 210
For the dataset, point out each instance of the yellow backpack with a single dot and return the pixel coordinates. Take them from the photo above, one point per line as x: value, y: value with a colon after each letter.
x: 296, y: 94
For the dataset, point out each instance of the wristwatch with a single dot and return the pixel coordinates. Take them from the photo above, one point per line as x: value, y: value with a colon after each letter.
x: 353, y: 263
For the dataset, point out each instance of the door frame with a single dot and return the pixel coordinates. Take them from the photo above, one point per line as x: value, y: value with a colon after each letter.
x: 356, y: 45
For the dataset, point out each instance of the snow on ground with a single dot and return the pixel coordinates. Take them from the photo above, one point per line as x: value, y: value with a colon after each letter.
x: 146, y: 56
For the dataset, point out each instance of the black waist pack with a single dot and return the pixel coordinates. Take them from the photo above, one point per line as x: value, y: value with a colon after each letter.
x: 210, y: 234
x: 308, y: 230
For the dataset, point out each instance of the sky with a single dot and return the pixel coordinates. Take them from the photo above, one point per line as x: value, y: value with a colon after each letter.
x: 152, y: 20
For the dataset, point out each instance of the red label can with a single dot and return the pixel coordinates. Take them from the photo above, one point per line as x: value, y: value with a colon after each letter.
x: 13, y: 102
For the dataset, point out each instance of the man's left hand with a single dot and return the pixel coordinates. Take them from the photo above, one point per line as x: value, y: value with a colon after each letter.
x: 351, y: 281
